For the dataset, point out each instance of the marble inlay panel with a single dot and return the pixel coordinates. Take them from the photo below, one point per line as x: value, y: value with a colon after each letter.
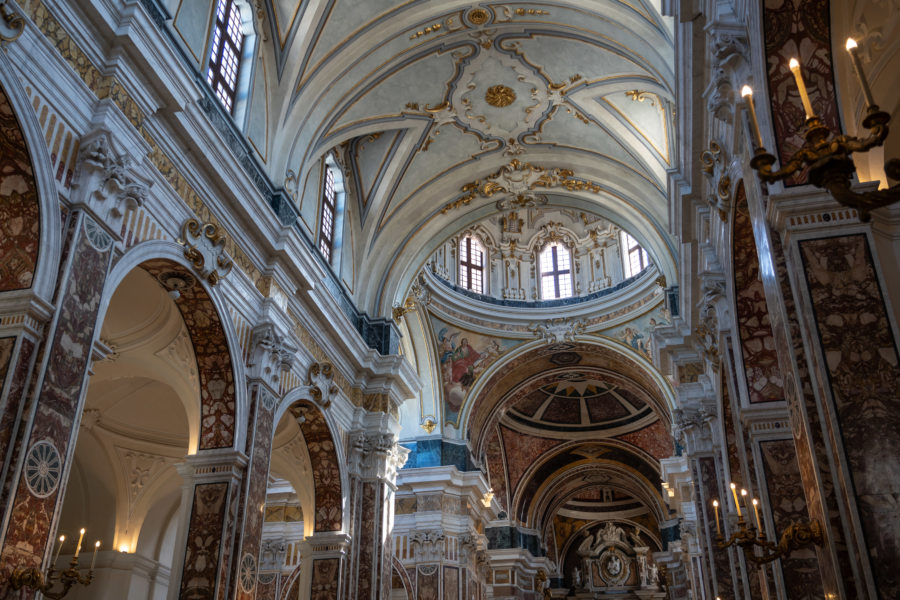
x: 800, y: 29
x: 654, y: 439
x: 522, y: 451
x: 720, y: 560
x: 259, y: 475
x: 801, y: 570
x: 204, y: 540
x: 327, y: 474
x: 69, y: 351
x: 6, y: 350
x: 764, y: 380
x: 428, y: 582
x: 19, y: 209
x: 862, y: 360
x: 497, y: 468
x: 325, y: 579
x: 451, y: 583
x: 217, y: 393
x: 365, y: 542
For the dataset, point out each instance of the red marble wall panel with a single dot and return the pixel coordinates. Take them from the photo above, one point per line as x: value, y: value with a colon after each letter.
x: 217, y: 393
x: 327, y: 472
x: 259, y: 474
x: 19, y: 209
x: 204, y: 540
x: 325, y: 575
x: 801, y: 571
x: 17, y: 372
x: 734, y: 462
x: 799, y: 29
x: 69, y: 352
x: 764, y: 380
x: 267, y: 586
x: 6, y: 350
x: 451, y: 583
x: 427, y: 582
x: 860, y: 351
x: 365, y: 541
x: 721, y: 564
x: 290, y: 585
x: 653, y: 439
x: 521, y: 453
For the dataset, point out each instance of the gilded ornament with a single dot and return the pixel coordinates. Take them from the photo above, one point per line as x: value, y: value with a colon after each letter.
x: 12, y: 24
x: 499, y: 96
x: 428, y: 425
x: 640, y: 96
x: 478, y: 16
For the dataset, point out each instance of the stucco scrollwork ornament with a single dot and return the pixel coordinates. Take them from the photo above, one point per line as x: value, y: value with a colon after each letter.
x: 714, y: 161
x: 558, y: 329
x: 428, y: 544
x: 418, y: 295
x: 320, y: 379
x: 707, y: 330
x: 11, y: 23
x: 270, y: 355
x: 514, y: 184
x: 204, y: 246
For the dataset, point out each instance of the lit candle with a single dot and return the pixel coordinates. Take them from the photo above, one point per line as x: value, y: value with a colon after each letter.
x: 716, y: 511
x: 78, y: 547
x: 94, y: 559
x: 804, y: 97
x: 756, y: 513
x: 857, y: 66
x: 62, y: 539
x: 737, y: 504
x: 744, y: 500
x: 747, y: 93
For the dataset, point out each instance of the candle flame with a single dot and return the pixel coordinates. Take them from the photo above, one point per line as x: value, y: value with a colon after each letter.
x: 733, y: 486
x: 743, y: 492
x: 82, y: 531
x: 715, y: 502
x: 123, y: 548
x: 97, y: 544
x: 755, y: 502
x: 62, y: 538
x: 851, y: 44
x: 746, y: 91
x: 793, y: 64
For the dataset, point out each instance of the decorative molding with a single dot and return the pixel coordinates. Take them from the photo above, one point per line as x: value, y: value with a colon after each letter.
x: 11, y: 23
x: 204, y: 246
x: 714, y: 161
x: 320, y: 379
x: 376, y: 455
x: 559, y: 329
x: 428, y: 545
x: 270, y: 355
x: 516, y: 182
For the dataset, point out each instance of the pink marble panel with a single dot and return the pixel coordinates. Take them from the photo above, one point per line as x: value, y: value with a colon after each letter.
x: 427, y: 584
x: 327, y: 474
x: 19, y: 209
x: 522, y: 451
x: 18, y: 372
x: 798, y: 29
x: 860, y: 351
x: 365, y: 540
x: 217, y: 393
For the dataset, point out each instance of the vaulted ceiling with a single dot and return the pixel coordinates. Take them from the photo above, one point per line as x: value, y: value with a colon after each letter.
x: 446, y: 108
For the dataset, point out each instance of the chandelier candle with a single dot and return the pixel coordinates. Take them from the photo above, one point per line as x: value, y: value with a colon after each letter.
x: 747, y: 93
x: 62, y: 539
x: 737, y: 504
x: 756, y: 514
x: 716, y: 511
x: 94, y: 559
x: 804, y: 97
x: 81, y: 537
x: 857, y: 66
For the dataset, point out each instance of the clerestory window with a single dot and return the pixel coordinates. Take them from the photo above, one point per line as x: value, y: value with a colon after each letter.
x: 332, y: 209
x: 225, y: 53
x: 635, y: 259
x: 556, y: 272
x: 471, y: 264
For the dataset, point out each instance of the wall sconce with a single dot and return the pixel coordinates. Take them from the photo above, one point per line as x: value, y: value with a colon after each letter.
x: 827, y: 155
x: 37, y: 581
x: 797, y: 535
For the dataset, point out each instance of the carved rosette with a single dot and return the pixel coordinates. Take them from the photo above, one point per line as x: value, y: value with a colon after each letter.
x: 204, y: 246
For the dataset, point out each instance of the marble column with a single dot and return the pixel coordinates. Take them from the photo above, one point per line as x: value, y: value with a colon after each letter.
x: 48, y: 410
x: 374, y: 459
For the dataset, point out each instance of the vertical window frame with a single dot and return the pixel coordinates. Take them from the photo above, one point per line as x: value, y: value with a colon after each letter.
x: 328, y: 216
x: 561, y: 277
x: 467, y: 268
x: 216, y: 74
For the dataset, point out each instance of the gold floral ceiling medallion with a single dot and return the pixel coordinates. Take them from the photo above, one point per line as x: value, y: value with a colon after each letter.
x: 477, y: 16
x: 499, y: 96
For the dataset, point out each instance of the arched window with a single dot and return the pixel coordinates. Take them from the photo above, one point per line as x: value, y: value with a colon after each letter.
x: 332, y: 207
x: 225, y: 53
x: 635, y: 259
x: 556, y: 272
x: 471, y: 264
